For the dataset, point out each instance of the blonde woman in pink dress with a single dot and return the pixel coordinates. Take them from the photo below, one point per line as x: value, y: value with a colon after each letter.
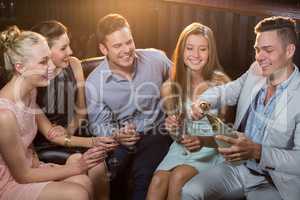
x: 22, y: 176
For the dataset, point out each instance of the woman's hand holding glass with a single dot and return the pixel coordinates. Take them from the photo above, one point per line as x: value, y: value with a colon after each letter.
x: 109, y: 142
x: 191, y: 143
x: 177, y: 128
x: 173, y: 125
x: 90, y: 159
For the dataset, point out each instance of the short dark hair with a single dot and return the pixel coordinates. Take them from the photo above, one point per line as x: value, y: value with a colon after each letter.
x: 51, y: 30
x: 109, y: 24
x: 285, y: 26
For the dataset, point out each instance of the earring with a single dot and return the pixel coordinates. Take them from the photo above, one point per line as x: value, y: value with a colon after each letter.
x: 19, y: 68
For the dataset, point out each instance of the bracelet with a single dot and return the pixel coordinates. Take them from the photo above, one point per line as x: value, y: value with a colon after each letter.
x: 67, y: 142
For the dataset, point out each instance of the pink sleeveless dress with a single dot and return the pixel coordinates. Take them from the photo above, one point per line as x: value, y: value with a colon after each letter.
x: 9, y: 188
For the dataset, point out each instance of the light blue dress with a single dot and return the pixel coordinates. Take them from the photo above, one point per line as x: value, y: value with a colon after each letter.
x: 201, y: 160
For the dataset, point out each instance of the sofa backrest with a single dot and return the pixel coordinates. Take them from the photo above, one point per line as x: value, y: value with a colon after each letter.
x: 90, y: 64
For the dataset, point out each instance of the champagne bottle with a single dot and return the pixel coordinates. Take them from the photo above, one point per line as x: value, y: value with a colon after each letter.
x: 218, y: 126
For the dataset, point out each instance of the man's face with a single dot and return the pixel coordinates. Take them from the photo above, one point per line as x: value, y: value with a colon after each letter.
x: 119, y: 48
x: 270, y: 53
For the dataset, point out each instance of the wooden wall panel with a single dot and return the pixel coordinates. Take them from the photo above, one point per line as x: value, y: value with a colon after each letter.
x: 233, y: 32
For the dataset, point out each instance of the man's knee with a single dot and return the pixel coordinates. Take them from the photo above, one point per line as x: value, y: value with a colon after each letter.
x: 267, y: 192
x: 192, y: 190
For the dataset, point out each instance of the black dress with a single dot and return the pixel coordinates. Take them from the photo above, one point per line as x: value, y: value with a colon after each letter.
x: 58, y: 99
x: 58, y: 103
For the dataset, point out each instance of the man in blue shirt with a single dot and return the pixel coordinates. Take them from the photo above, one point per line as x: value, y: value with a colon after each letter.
x: 267, y: 98
x: 125, y: 90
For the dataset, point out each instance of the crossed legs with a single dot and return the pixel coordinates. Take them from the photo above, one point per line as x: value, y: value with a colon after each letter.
x: 168, y: 184
x: 81, y: 187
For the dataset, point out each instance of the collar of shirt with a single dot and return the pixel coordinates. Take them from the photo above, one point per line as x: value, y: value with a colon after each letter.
x: 110, y: 76
x: 285, y: 83
x: 282, y: 86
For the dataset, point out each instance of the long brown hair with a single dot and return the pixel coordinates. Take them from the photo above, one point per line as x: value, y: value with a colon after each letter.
x: 180, y: 73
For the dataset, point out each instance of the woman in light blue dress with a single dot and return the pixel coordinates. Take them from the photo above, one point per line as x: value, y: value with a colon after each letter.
x: 196, y: 68
x: 200, y: 159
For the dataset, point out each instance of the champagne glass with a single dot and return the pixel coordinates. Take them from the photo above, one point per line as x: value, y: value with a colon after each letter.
x: 184, y: 133
x: 113, y: 161
x: 127, y: 122
x: 176, y: 109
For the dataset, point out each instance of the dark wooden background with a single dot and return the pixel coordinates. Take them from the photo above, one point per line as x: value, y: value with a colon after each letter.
x: 157, y: 23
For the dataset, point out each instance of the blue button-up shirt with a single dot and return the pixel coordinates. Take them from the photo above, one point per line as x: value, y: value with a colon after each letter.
x: 260, y: 114
x: 112, y: 97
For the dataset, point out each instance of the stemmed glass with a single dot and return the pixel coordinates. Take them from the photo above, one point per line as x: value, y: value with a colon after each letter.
x: 130, y: 122
x: 176, y: 108
x: 184, y: 133
x: 113, y: 161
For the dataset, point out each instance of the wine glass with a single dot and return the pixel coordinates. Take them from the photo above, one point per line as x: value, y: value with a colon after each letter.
x: 175, y: 108
x: 113, y: 161
x: 184, y: 133
x: 127, y: 122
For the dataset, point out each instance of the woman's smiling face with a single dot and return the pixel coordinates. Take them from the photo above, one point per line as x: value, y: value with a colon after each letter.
x: 195, y: 53
x: 61, y: 51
